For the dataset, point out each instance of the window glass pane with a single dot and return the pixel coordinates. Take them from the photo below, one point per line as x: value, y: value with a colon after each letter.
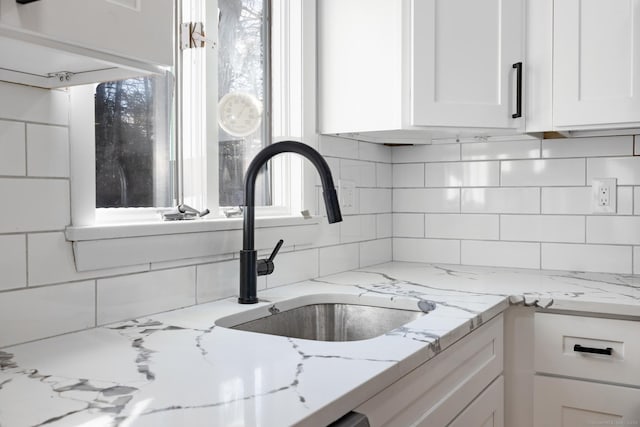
x: 242, y: 65
x: 134, y: 157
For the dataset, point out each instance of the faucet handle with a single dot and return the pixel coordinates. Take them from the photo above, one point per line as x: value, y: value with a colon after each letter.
x: 275, y: 250
x: 265, y: 266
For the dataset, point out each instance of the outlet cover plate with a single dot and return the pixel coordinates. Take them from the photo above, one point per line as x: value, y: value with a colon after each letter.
x: 604, y: 195
x: 347, y: 196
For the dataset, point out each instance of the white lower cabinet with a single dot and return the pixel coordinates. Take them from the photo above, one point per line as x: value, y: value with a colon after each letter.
x: 587, y: 371
x: 487, y: 410
x: 457, y: 387
x: 563, y: 402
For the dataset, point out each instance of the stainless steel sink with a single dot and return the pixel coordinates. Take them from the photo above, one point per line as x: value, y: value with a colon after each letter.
x: 331, y: 321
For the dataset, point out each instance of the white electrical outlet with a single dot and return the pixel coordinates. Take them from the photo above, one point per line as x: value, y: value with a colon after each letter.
x: 604, y: 191
x: 347, y: 196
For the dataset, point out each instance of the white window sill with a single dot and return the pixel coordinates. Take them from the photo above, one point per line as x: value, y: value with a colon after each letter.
x: 111, y: 246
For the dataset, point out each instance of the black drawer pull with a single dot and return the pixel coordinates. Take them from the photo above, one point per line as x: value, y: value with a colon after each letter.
x: 582, y: 349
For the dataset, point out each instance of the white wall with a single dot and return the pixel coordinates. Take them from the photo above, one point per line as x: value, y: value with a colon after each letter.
x: 523, y: 203
x: 42, y: 295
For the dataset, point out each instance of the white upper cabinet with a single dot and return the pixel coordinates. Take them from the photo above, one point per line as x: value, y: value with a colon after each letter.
x: 583, y: 65
x: 463, y: 52
x: 596, y: 70
x: 389, y: 66
x: 52, y: 43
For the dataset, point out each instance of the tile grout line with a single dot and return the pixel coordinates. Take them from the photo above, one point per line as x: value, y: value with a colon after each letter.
x: 26, y: 254
x: 26, y: 153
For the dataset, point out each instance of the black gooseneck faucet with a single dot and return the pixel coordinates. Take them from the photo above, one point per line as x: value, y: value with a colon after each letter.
x: 250, y: 266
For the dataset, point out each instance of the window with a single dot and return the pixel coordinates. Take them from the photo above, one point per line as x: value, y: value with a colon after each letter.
x: 140, y: 167
x: 134, y: 155
x: 243, y: 68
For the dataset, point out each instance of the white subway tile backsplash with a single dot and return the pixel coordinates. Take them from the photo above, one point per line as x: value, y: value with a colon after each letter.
x: 500, y: 254
x: 13, y: 261
x: 501, y: 200
x: 426, y: 250
x: 374, y: 152
x: 625, y: 201
x: 426, y: 200
x: 542, y: 228
x: 462, y: 226
x: 43, y: 204
x: 32, y: 104
x: 362, y: 173
x: 333, y: 146
x: 625, y: 169
x: 384, y: 226
x: 30, y: 314
x: 219, y: 280
x: 588, y: 147
x: 408, y: 175
x: 51, y: 260
x: 375, y: 200
x: 501, y: 150
x: 566, y: 200
x: 375, y: 252
x: 463, y: 174
x: 384, y: 177
x: 47, y: 151
x: 127, y: 297
x: 426, y: 153
x: 613, y: 230
x: 408, y: 225
x: 597, y: 258
x: 543, y: 173
x: 336, y: 259
x: 294, y: 267
x: 328, y: 234
x: 389, y: 202
x: 356, y: 228
x: 12, y: 147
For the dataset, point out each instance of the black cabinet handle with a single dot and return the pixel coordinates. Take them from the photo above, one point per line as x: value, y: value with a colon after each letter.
x: 582, y: 349
x: 518, y: 67
x: 25, y: 1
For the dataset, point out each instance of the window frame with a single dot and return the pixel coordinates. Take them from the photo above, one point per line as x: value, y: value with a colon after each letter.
x: 301, y: 196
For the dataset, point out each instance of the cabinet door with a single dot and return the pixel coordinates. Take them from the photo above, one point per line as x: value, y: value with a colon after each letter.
x: 463, y: 53
x: 561, y: 402
x: 486, y: 411
x: 596, y: 68
x: 137, y: 29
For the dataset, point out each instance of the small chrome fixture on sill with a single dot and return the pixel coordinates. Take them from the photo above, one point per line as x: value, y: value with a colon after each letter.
x: 184, y: 212
x: 250, y: 266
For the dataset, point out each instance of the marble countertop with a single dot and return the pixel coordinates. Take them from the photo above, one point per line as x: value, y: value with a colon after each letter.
x: 180, y: 368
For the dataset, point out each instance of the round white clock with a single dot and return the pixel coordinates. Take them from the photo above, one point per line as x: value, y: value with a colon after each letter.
x: 239, y: 113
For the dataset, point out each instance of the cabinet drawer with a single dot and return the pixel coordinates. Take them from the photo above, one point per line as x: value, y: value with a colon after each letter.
x: 435, y: 392
x: 562, y: 402
x: 564, y: 345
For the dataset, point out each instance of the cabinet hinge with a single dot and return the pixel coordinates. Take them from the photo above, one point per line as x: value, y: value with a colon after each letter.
x: 193, y: 36
x: 63, y: 76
